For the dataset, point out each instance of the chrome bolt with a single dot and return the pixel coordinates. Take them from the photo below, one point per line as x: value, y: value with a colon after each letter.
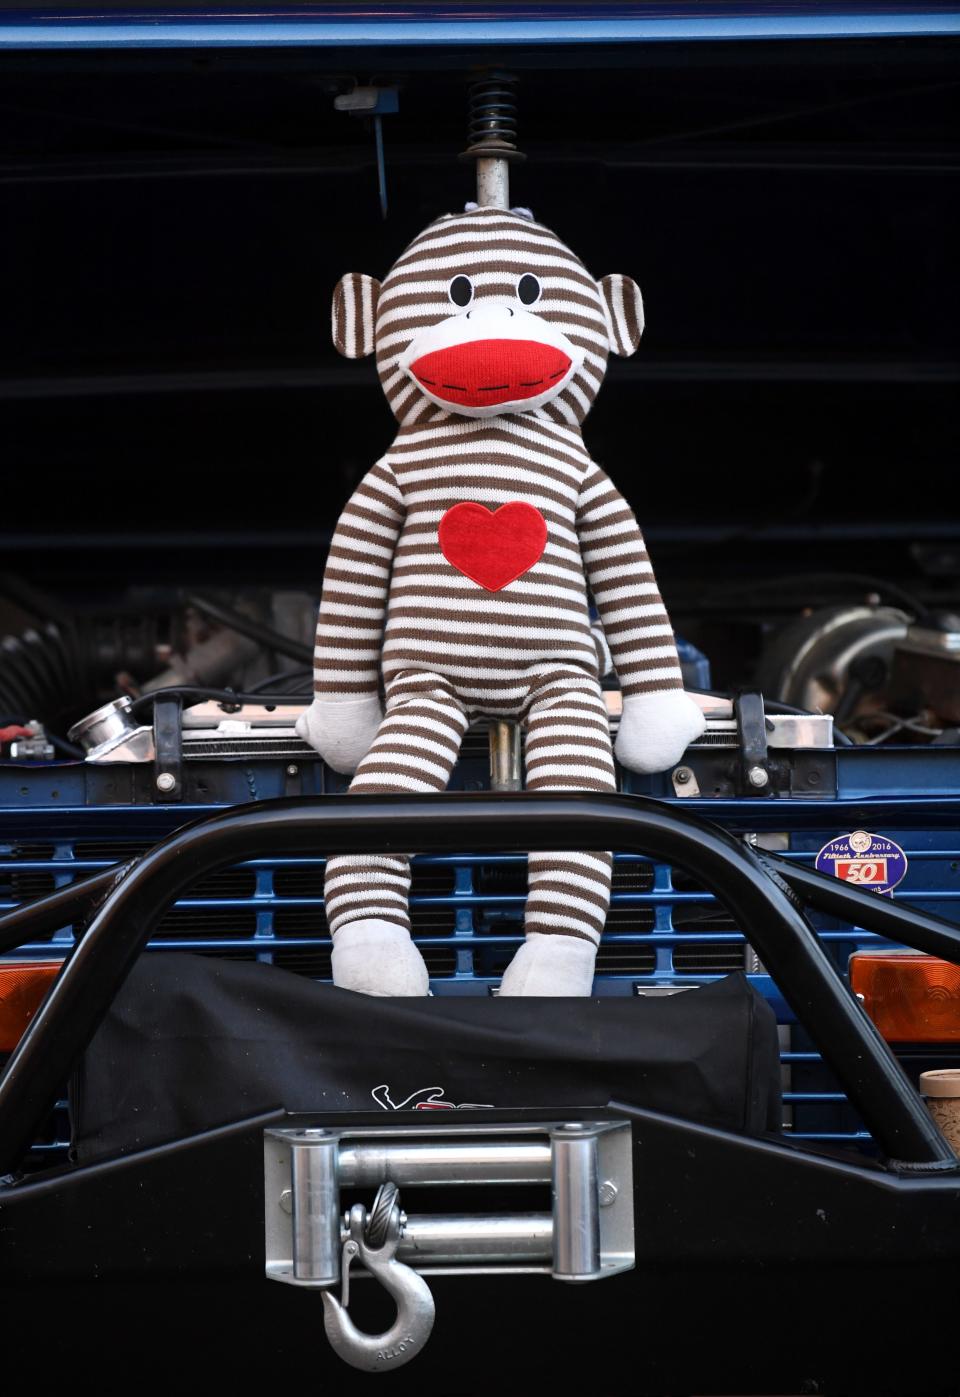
x: 608, y: 1193
x: 682, y: 775
x: 292, y: 769
x: 166, y: 782
x: 757, y: 776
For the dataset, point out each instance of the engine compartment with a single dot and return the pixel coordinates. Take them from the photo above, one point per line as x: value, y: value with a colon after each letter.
x: 180, y: 434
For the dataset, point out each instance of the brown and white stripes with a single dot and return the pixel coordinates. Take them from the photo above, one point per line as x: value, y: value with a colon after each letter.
x: 567, y: 749
x: 392, y: 603
x: 396, y: 612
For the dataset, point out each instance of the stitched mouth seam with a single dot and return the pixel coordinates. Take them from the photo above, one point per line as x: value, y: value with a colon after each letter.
x: 494, y: 388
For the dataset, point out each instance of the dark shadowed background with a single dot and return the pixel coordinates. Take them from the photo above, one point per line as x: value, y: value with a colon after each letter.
x: 172, y: 226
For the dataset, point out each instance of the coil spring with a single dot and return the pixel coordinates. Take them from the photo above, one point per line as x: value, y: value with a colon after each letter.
x: 492, y: 116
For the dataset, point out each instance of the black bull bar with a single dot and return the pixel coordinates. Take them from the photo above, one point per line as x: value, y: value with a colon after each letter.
x: 764, y: 894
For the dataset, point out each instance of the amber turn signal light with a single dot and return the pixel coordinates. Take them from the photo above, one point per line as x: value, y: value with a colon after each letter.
x: 912, y: 998
x: 23, y: 985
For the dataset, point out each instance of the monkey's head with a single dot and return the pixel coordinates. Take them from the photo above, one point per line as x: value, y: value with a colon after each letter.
x: 487, y: 312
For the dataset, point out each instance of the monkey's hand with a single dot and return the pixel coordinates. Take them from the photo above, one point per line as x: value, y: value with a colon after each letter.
x: 656, y: 729
x: 341, y: 731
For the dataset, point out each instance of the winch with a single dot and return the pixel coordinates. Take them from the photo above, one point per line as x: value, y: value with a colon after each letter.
x: 587, y: 1233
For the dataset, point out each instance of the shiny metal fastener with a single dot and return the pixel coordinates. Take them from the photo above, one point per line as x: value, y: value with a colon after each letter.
x: 379, y: 1353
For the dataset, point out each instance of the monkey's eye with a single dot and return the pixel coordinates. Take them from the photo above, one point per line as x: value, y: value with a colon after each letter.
x: 461, y: 291
x: 529, y: 289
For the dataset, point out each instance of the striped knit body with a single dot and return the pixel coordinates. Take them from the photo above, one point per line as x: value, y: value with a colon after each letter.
x: 461, y: 572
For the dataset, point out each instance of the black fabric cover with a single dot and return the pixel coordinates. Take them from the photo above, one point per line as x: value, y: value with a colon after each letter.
x: 193, y: 1042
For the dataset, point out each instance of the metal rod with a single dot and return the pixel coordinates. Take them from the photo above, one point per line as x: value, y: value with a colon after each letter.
x: 576, y: 1206
x: 80, y: 996
x: 316, y: 1206
x: 518, y: 1162
x: 505, y: 756
x: 452, y: 1239
x: 57, y: 909
x: 871, y: 911
x: 493, y: 182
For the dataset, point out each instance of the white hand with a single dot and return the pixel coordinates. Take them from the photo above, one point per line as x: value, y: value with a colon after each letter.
x: 656, y: 729
x: 341, y: 732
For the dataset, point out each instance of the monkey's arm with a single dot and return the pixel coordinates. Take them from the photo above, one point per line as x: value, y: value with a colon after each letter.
x: 343, y: 719
x: 659, y: 720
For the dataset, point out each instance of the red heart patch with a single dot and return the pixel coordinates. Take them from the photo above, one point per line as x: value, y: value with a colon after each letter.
x: 493, y: 547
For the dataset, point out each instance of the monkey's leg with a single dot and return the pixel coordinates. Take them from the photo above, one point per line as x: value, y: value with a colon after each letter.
x: 567, y: 749
x: 367, y: 894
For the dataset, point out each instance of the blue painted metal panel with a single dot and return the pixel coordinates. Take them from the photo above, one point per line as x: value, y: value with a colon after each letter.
x: 487, y: 26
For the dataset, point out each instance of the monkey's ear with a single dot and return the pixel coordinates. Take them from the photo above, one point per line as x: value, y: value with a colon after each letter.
x: 353, y: 314
x: 624, y: 310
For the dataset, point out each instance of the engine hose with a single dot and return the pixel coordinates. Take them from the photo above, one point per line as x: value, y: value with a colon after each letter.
x: 51, y: 650
x: 42, y: 673
x: 42, y: 660
x: 284, y: 676
x: 23, y: 656
x: 13, y: 692
x: 23, y: 686
x: 253, y: 630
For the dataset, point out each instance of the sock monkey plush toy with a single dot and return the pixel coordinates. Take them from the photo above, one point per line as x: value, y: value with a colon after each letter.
x: 460, y: 573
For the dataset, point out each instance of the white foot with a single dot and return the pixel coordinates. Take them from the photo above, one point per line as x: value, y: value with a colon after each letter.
x: 377, y: 957
x: 550, y: 965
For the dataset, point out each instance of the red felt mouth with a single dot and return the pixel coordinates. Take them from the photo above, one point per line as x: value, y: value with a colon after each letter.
x: 483, y: 373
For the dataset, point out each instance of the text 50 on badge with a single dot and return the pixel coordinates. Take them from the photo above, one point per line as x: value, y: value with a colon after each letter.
x: 870, y: 861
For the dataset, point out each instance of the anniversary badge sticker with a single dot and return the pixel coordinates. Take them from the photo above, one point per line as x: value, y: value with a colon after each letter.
x: 870, y: 861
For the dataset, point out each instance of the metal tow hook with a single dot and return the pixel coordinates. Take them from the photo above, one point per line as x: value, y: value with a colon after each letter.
x: 374, y: 1353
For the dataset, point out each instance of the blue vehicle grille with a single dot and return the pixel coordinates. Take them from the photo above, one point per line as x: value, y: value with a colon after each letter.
x: 664, y: 929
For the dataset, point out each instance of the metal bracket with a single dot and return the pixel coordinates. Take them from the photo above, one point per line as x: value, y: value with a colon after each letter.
x: 587, y: 1234
x: 374, y: 102
x: 752, y: 732
x: 168, y: 743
